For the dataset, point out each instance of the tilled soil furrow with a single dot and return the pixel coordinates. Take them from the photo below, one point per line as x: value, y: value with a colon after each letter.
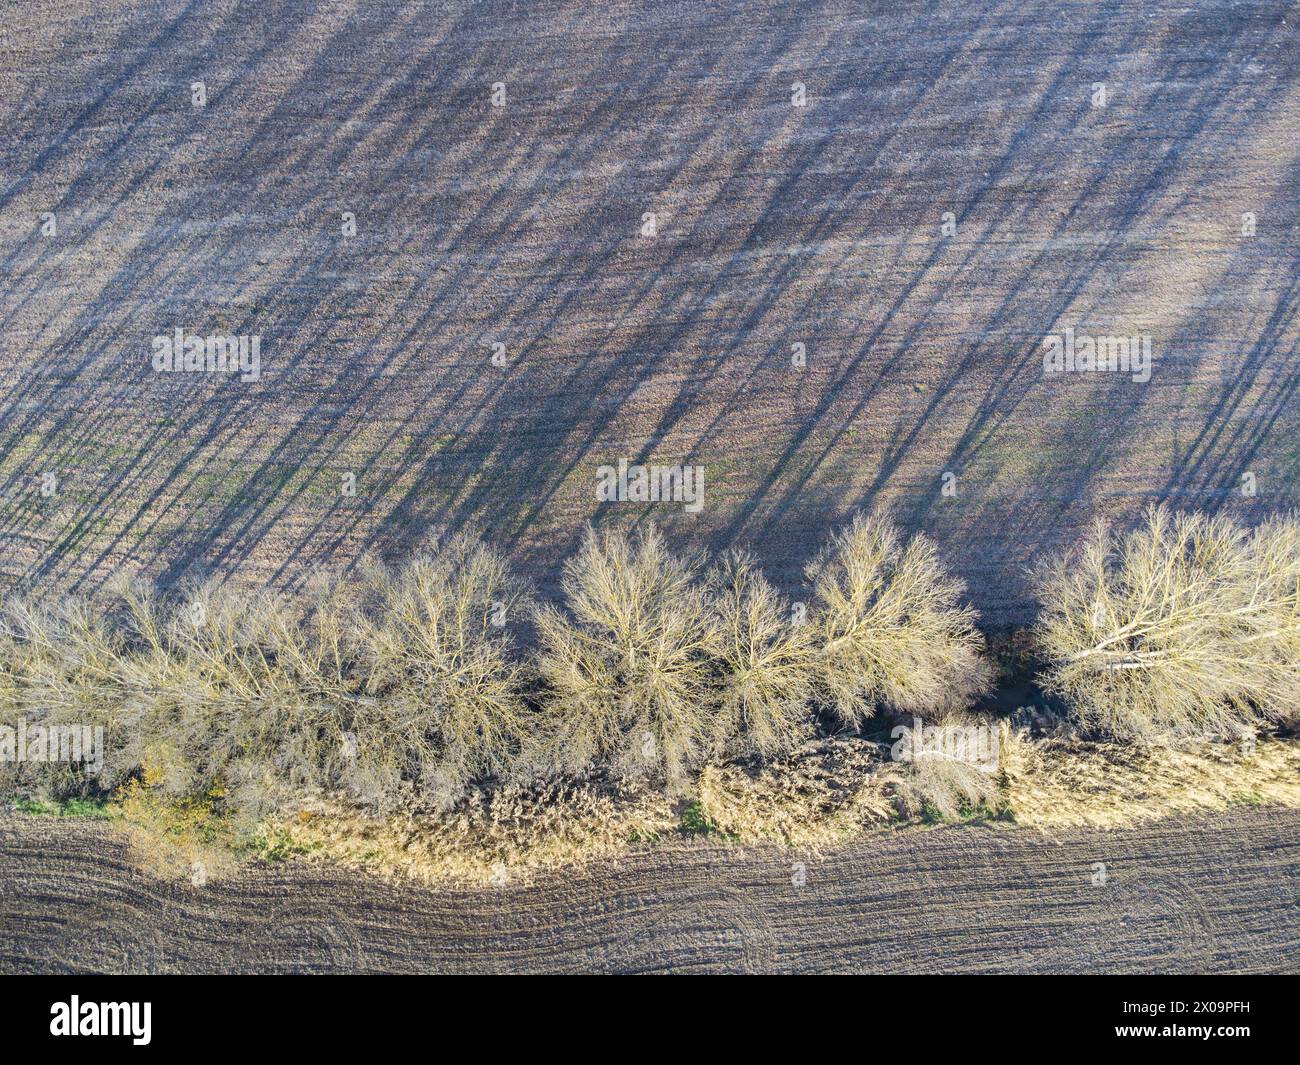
x: 1211, y: 894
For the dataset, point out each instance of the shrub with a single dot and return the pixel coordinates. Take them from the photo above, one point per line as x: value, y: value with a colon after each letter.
x: 1184, y: 626
x: 627, y: 669
x: 764, y: 661
x: 952, y: 773
x: 893, y: 632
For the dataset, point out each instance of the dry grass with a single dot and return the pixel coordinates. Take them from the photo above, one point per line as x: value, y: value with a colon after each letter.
x: 1059, y: 783
x: 492, y: 838
x: 830, y: 791
x: 1184, y: 627
x: 893, y: 630
x: 820, y: 795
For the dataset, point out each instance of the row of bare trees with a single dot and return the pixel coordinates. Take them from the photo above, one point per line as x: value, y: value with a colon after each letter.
x: 408, y: 682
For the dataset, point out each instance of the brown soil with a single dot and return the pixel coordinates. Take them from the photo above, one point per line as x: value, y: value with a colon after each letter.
x: 1216, y: 894
x: 776, y: 225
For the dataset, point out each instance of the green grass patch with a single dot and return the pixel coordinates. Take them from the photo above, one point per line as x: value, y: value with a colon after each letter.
x: 694, y: 822
x: 74, y: 807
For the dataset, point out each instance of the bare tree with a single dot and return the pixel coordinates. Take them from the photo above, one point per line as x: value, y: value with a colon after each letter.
x: 390, y: 682
x: 444, y: 697
x: 1186, y: 625
x: 627, y: 668
x: 765, y: 657
x: 893, y: 631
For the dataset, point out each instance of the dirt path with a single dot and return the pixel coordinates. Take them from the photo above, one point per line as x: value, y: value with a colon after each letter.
x: 1213, y: 895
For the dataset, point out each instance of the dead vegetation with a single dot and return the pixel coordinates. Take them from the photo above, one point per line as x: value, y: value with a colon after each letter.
x: 492, y: 837
x: 1057, y: 783
x: 813, y: 799
x: 818, y: 796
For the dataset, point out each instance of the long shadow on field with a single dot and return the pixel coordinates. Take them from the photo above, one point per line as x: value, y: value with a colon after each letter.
x: 1257, y: 400
x: 1099, y: 437
x: 1120, y: 191
x: 184, y: 443
x: 672, y: 316
x: 777, y: 224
